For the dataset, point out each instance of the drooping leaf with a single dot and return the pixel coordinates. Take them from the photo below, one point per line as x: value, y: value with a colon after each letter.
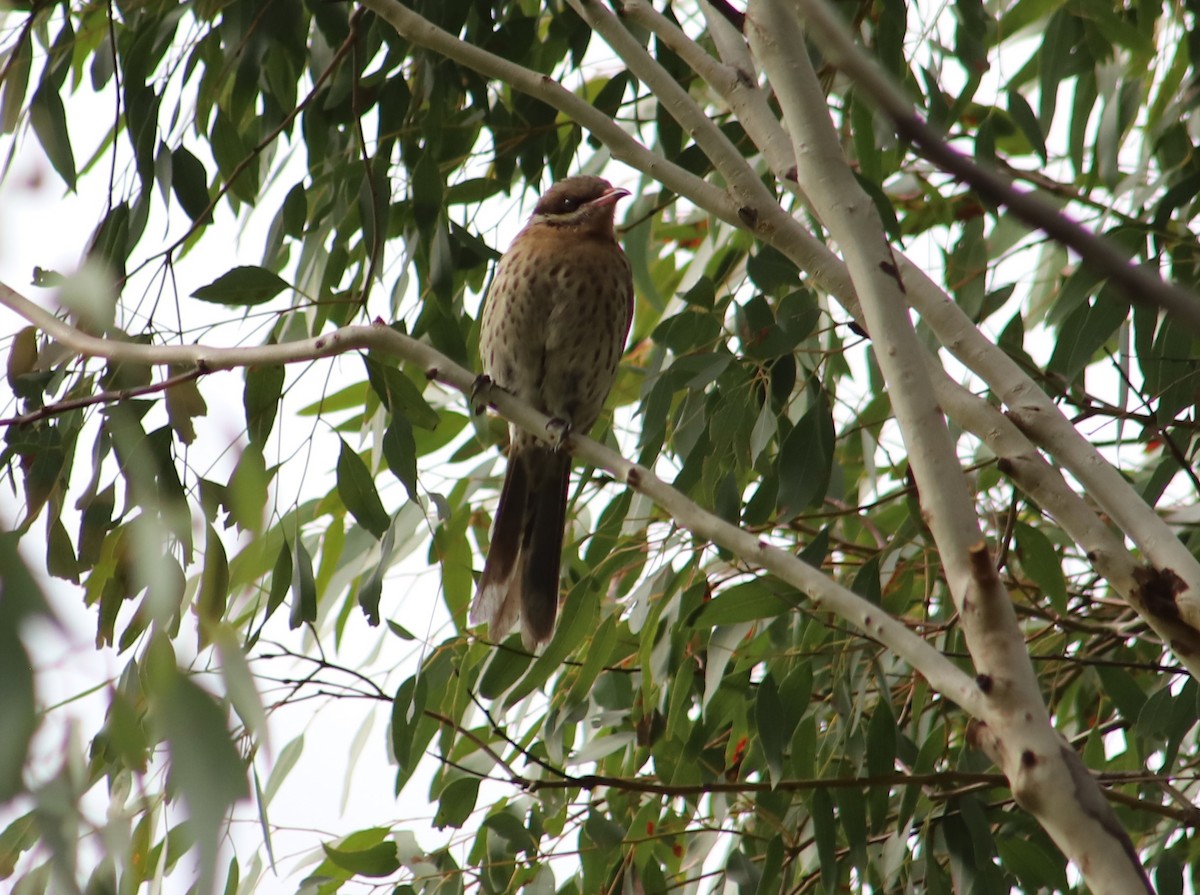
x: 260, y: 398
x: 49, y: 120
x: 806, y: 459
x: 356, y: 488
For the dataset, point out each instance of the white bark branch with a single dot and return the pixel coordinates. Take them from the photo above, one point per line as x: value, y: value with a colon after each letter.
x: 824, y: 593
x: 1148, y: 590
x: 1029, y: 750
x: 1101, y: 254
x: 1172, y: 586
x: 420, y: 31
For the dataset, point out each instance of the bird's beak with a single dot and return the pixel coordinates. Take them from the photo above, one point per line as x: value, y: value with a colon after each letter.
x: 610, y: 198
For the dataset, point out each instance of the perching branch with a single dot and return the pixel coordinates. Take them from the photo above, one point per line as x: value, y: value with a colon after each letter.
x: 943, y: 675
x: 1176, y: 607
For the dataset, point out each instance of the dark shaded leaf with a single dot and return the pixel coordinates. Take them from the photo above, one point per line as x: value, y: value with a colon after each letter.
x: 356, y: 488
x: 304, y: 587
x: 806, y: 459
x: 189, y: 182
x: 49, y: 121
x: 768, y: 717
x: 246, y: 285
x: 825, y: 833
x: 260, y: 398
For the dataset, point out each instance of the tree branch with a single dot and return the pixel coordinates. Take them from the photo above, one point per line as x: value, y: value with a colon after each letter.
x: 1034, y: 412
x: 735, y: 81
x: 1138, y: 283
x: 422, y: 32
x: 101, y: 397
x: 943, y: 675
x: 1027, y: 748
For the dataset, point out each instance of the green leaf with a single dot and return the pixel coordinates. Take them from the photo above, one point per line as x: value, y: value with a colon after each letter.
x: 304, y: 587
x: 1123, y: 690
x: 400, y: 453
x: 19, y: 836
x: 825, y: 833
x: 16, y: 82
x: 742, y: 872
x: 806, y: 459
x: 16, y: 707
x: 352, y: 397
x: 513, y: 831
x: 214, y: 581
x: 456, y: 802
x: 286, y: 760
x: 603, y: 831
x: 356, y: 488
x: 295, y: 210
x: 248, y: 492
x: 852, y: 817
x: 205, y: 765
x: 260, y: 398
x: 49, y: 121
x: 242, y: 286
x: 427, y: 185
x: 374, y: 861
x: 184, y: 404
x: 504, y: 668
x: 768, y: 717
x: 771, y: 270
x: 1168, y: 876
x: 575, y: 626
x: 400, y: 395
x: 400, y: 631
x: 1086, y: 330
x: 189, y: 182
x: 371, y: 591
x: 411, y: 731
x: 1037, y: 867
x: 22, y: 358
x: 1041, y: 562
x: 881, y: 760
x: 1023, y: 117
x: 744, y: 602
x: 768, y: 882
x: 239, y: 681
x: 281, y: 580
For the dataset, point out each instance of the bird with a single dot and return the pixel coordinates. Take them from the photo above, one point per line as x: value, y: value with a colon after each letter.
x: 552, y: 332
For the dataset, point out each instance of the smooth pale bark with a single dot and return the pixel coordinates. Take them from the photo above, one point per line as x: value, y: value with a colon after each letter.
x: 1015, y: 728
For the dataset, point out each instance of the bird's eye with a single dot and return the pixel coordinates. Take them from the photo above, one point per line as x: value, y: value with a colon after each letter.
x: 570, y: 203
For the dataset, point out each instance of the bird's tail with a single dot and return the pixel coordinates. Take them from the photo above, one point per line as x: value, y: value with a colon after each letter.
x: 521, y: 573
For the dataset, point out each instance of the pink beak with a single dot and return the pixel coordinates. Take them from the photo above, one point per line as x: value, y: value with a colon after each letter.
x: 612, y: 197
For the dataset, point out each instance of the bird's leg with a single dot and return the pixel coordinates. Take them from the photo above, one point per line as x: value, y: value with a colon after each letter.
x: 481, y: 393
x: 558, y: 431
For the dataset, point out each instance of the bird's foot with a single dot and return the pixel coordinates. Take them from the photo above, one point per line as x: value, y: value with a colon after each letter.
x: 558, y: 431
x: 481, y: 393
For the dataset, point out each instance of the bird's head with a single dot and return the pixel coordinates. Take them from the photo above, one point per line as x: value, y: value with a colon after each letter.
x: 583, y: 203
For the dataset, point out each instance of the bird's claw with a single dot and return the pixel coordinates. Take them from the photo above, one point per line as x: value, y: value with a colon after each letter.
x: 481, y: 393
x: 558, y: 431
